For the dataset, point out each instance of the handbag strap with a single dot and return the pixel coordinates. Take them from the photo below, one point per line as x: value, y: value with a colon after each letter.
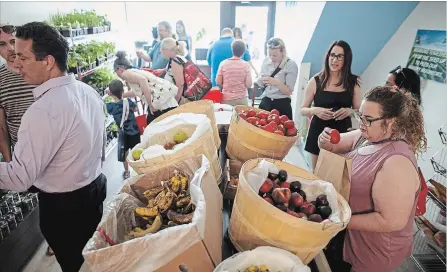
x: 125, y: 112
x: 278, y: 69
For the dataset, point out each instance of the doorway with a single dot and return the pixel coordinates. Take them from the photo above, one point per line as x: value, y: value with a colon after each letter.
x: 257, y: 22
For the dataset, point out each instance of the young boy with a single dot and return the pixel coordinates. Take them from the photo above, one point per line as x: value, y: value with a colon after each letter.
x: 130, y: 127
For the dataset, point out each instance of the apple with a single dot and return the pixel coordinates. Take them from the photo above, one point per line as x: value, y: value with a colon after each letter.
x: 335, y: 136
x: 251, y: 113
x: 262, y: 115
x: 283, y: 118
x: 273, y: 118
x: 268, y: 128
x: 291, y: 132
x: 282, y: 128
x: 289, y: 124
x: 275, y: 112
x: 279, y: 132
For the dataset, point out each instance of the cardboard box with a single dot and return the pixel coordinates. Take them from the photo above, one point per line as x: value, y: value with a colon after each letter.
x: 197, y: 245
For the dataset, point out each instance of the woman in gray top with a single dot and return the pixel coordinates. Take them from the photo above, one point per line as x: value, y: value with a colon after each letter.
x: 278, y: 78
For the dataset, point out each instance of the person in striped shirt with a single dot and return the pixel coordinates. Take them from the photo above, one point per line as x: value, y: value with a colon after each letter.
x: 234, y: 75
x: 15, y: 95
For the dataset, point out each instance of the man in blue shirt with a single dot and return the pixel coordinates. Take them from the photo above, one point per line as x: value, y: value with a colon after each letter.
x: 220, y: 50
x: 155, y: 56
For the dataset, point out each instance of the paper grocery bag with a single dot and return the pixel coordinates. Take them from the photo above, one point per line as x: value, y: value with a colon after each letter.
x: 335, y: 169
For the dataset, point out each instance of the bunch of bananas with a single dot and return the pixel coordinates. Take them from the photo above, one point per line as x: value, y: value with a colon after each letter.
x: 168, y: 205
x: 254, y: 268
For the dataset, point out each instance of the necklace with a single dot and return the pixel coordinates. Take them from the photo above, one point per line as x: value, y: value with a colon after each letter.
x: 360, y: 145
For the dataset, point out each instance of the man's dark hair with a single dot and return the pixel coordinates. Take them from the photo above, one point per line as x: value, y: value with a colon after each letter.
x: 116, y: 87
x: 47, y: 41
x: 238, y: 47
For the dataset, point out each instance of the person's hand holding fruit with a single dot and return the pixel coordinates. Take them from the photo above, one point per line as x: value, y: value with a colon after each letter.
x: 323, y: 113
x: 329, y: 135
x: 342, y: 113
x: 270, y: 81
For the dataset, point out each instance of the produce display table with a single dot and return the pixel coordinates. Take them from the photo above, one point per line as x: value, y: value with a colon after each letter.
x: 21, y: 244
x: 319, y: 264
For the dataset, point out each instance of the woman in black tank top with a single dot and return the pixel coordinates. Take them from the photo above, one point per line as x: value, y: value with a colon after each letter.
x: 335, y: 93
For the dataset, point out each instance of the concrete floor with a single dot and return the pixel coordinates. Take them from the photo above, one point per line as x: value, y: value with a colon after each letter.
x: 114, y: 169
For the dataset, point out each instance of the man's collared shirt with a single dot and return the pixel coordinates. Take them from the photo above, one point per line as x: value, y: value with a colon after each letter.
x: 60, y: 139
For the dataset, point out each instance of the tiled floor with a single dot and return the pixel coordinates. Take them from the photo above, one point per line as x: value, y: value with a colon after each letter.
x: 113, y: 170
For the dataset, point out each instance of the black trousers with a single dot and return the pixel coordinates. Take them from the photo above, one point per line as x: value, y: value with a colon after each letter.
x: 68, y: 221
x: 282, y: 105
x: 156, y: 114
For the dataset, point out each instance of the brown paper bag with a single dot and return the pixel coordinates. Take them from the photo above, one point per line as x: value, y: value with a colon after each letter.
x: 337, y: 170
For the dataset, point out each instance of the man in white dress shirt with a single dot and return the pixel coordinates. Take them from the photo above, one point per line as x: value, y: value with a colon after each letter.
x: 59, y: 150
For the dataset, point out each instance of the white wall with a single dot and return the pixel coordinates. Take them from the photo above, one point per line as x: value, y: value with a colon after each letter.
x: 427, y: 15
x: 296, y: 25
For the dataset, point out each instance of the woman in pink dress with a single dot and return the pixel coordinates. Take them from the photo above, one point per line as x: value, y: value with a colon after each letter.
x: 385, y: 182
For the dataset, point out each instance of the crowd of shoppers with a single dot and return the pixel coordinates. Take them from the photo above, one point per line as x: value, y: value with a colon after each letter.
x: 52, y: 126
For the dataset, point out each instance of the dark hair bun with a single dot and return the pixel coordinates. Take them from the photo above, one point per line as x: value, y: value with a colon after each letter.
x: 121, y: 54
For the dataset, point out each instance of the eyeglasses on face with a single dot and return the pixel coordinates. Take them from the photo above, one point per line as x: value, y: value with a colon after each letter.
x: 339, y: 57
x: 8, y: 29
x: 366, y: 121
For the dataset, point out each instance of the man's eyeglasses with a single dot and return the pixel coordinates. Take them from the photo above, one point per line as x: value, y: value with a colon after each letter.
x: 398, y: 70
x: 366, y: 121
x: 340, y: 57
x: 8, y: 29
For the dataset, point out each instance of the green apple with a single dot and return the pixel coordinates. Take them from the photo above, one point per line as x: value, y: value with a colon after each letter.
x: 180, y: 137
x: 136, y: 153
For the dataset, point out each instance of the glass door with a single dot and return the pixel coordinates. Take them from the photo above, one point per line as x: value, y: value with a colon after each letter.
x: 253, y: 21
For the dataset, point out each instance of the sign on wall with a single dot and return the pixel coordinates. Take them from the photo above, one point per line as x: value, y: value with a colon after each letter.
x: 428, y: 56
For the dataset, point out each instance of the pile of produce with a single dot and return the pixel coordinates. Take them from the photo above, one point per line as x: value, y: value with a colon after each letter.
x: 255, y: 268
x: 290, y: 198
x: 179, y: 137
x: 168, y: 205
x: 79, y: 23
x: 89, y: 55
x: 270, y: 121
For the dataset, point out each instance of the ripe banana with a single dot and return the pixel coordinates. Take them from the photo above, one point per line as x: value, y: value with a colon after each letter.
x: 184, y: 183
x: 147, y: 212
x: 180, y: 218
x: 151, y: 193
x: 138, y: 232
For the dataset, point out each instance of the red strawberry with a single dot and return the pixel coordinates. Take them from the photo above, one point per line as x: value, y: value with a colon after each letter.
x: 289, y: 124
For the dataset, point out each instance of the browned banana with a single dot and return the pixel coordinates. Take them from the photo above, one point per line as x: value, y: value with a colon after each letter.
x: 165, y: 203
x: 151, y: 193
x: 172, y: 224
x: 180, y: 218
x: 151, y: 203
x: 189, y: 208
x: 183, y: 201
x: 151, y: 228
x: 147, y: 212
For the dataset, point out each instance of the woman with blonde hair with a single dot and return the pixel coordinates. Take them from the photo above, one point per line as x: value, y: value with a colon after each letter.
x: 278, y: 78
x: 174, y: 51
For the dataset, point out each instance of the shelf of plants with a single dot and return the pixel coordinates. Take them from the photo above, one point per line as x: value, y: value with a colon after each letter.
x: 76, y: 24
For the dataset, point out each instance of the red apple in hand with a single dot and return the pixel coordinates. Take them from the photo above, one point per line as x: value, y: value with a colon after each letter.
x: 335, y: 136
